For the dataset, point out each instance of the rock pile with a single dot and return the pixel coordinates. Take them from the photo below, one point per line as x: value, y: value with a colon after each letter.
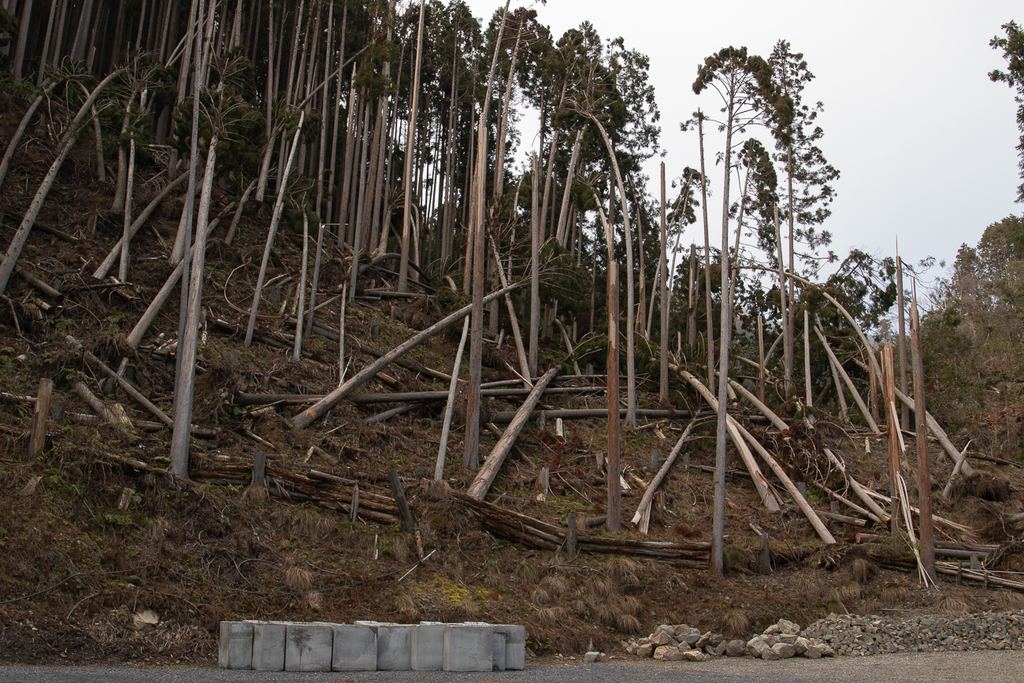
x: 783, y: 640
x: 841, y: 635
x: 871, y: 635
x: 673, y: 643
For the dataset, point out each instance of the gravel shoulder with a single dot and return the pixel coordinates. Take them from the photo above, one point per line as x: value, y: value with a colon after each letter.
x: 992, y: 667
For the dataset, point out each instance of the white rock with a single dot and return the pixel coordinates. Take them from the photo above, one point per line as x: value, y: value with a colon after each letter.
x: 695, y: 656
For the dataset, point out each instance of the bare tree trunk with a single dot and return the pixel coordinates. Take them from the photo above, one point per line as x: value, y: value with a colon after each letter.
x: 904, y: 410
x: 329, y: 215
x: 403, y: 266
x: 663, y: 274
x: 535, y: 268
x: 563, y: 212
x: 471, y: 455
x: 130, y: 183
x: 787, y: 344
x: 631, y: 328
x: 924, y: 485
x: 15, y: 140
x: 499, y: 155
x: 184, y: 385
x: 297, y: 350
x: 707, y: 257
x: 19, y: 50
x: 323, y: 217
x: 693, y: 296
x: 614, y: 513
x: 447, y: 424
x: 274, y: 222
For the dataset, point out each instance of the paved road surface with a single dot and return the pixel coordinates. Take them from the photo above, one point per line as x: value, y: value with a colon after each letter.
x: 989, y: 667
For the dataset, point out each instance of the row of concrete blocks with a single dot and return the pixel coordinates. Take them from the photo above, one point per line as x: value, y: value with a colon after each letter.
x: 370, y: 646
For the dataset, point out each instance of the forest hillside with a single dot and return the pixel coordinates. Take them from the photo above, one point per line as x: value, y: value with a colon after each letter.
x: 287, y: 333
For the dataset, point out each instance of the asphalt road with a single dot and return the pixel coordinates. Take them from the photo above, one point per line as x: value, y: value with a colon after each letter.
x: 990, y: 667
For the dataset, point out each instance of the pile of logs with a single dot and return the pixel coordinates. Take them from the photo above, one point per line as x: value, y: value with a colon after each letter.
x: 538, y: 534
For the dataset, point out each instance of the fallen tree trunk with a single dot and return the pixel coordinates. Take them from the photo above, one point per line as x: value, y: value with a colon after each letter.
x: 764, y: 489
x: 478, y: 489
x: 315, y: 412
x: 539, y: 534
x: 505, y: 416
x: 652, y: 488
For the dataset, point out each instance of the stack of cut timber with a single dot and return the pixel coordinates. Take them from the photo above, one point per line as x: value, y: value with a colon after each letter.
x: 542, y: 535
x: 320, y: 487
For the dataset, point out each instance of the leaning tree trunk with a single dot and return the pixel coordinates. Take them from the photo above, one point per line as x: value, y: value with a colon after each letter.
x: 274, y: 222
x: 21, y: 236
x: 184, y: 384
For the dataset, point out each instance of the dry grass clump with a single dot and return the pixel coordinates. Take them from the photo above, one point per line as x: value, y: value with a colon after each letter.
x: 862, y: 570
x: 548, y: 617
x: 540, y: 597
x: 847, y: 594
x: 555, y: 583
x: 954, y: 603
x: 1007, y: 600
x: 406, y: 609
x: 735, y: 624
x: 435, y: 490
x: 987, y: 487
x: 307, y: 523
x: 605, y: 614
x: 625, y: 571
x: 893, y: 594
x: 298, y: 579
x: 256, y: 494
x: 627, y: 623
x: 527, y: 572
x: 599, y: 588
x: 631, y: 605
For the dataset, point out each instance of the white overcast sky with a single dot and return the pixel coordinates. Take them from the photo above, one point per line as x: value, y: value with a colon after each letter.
x: 924, y: 141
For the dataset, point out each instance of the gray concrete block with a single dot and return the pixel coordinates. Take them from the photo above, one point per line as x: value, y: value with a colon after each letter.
x: 355, y: 648
x: 428, y: 646
x: 268, y: 645
x: 235, y: 645
x: 468, y: 648
x: 309, y: 647
x: 394, y: 647
x: 498, y: 658
x: 515, y: 645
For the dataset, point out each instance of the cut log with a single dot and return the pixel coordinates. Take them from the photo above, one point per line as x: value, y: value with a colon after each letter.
x: 40, y: 416
x: 401, y: 502
x: 478, y: 489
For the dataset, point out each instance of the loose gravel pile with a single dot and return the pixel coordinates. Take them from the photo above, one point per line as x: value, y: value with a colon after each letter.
x: 873, y: 635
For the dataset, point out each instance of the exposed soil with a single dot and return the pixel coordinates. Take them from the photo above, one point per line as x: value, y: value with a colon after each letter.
x: 94, y: 543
